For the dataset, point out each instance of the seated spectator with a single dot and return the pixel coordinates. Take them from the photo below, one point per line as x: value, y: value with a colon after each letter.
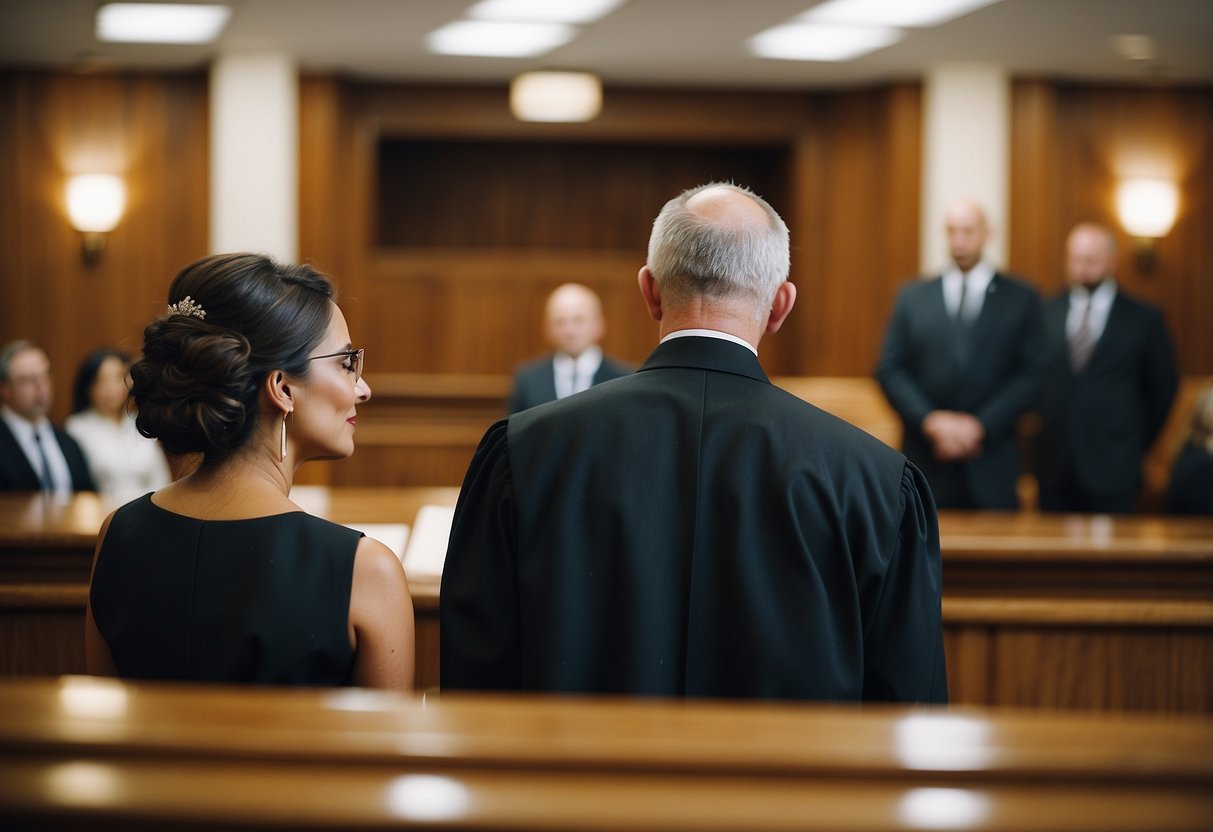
x: 573, y: 324
x: 34, y: 454
x: 219, y: 576
x: 1191, y: 488
x: 124, y: 464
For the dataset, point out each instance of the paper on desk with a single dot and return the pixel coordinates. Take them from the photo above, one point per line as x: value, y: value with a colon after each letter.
x: 426, y: 551
x: 392, y: 535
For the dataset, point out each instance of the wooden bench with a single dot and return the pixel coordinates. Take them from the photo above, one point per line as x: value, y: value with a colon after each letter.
x: 80, y: 753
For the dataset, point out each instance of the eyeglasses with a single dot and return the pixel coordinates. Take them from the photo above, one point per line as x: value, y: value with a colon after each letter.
x: 354, y: 356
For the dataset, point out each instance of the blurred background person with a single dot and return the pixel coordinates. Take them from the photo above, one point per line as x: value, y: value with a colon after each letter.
x: 1109, y: 387
x: 1191, y: 487
x: 962, y: 362
x: 219, y: 576
x: 123, y: 463
x: 572, y: 323
x: 34, y: 454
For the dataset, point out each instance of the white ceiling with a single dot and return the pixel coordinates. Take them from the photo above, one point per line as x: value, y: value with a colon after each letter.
x: 663, y: 43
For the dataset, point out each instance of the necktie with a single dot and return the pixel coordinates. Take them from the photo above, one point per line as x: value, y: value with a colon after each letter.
x: 1082, y: 342
x: 960, y: 307
x: 44, y: 475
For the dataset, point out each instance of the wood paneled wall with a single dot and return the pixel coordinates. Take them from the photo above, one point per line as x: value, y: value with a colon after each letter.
x: 1071, y: 145
x: 454, y: 281
x: 151, y: 130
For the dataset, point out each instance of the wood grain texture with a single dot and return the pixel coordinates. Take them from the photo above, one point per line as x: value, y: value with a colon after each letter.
x: 84, y: 753
x: 1071, y: 144
x: 149, y: 129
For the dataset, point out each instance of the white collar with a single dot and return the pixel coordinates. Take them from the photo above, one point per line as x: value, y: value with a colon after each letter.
x: 710, y: 333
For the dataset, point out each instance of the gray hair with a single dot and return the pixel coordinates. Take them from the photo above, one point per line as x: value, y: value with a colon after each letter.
x: 692, y: 256
x: 10, y: 351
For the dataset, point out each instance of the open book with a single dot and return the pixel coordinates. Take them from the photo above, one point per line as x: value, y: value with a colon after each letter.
x: 426, y: 550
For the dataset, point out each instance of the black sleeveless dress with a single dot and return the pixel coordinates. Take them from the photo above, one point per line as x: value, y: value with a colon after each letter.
x: 264, y: 600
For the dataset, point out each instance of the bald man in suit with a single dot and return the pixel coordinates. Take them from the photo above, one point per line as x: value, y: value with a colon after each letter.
x: 573, y: 324
x: 963, y: 360
x: 1111, y: 382
x: 691, y: 529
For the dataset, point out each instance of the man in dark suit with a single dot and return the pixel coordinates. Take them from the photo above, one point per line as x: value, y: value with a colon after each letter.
x: 963, y: 359
x: 692, y: 530
x: 573, y: 324
x: 1111, y: 382
x: 34, y: 454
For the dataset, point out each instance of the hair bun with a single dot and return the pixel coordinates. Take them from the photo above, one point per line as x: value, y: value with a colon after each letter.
x: 194, y: 387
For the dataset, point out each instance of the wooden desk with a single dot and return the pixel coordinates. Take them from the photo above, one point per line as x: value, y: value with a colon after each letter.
x: 79, y: 753
x: 1039, y: 610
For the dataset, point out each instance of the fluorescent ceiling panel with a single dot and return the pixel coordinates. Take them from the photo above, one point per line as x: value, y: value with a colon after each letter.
x: 814, y: 42
x: 160, y: 22
x: 482, y: 38
x: 891, y: 12
x: 543, y: 11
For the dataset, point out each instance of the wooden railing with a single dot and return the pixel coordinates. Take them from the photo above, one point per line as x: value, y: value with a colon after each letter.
x: 80, y: 753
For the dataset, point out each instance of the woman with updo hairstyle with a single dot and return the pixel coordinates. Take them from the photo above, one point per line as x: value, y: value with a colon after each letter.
x: 219, y: 576
x: 123, y: 463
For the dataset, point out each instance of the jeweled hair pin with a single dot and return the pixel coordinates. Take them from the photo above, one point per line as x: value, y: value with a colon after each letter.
x: 187, y: 307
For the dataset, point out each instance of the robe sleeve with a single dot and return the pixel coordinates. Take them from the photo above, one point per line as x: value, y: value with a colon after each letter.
x: 478, y: 606
x: 903, y: 646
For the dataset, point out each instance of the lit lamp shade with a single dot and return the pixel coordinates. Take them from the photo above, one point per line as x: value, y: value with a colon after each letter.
x: 556, y: 96
x: 1147, y: 207
x: 95, y: 202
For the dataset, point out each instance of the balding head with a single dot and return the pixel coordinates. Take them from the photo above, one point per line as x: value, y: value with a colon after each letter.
x: 1090, y: 254
x: 965, y: 222
x: 573, y: 319
x: 719, y: 241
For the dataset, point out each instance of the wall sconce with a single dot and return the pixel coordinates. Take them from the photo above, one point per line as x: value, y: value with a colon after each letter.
x: 555, y: 96
x: 1147, y: 209
x: 94, y: 204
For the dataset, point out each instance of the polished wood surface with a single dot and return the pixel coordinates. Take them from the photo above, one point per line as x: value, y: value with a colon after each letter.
x: 82, y: 753
x: 1039, y: 610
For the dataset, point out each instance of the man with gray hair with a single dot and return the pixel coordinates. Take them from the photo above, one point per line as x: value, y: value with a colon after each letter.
x: 692, y: 530
x: 34, y: 454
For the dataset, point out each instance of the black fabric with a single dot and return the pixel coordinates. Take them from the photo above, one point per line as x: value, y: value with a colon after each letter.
x: 1097, y: 424
x: 692, y: 530
x: 999, y: 382
x: 535, y: 383
x: 16, y: 474
x: 264, y: 600
x: 1191, y: 487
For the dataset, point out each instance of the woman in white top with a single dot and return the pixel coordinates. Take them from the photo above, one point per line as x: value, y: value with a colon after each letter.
x: 124, y: 464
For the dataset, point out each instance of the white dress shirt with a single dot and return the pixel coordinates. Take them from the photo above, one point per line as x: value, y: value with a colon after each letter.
x: 573, y: 375
x: 978, y: 278
x: 124, y: 463
x: 23, y: 432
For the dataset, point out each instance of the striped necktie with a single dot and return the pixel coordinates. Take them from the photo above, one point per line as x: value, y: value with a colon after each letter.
x: 1082, y: 342
x: 44, y: 475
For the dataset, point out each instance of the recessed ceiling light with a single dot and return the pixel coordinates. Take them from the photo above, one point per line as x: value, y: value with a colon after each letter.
x: 556, y: 96
x: 161, y: 22
x: 891, y: 12
x: 1134, y: 47
x: 483, y: 38
x: 543, y: 11
x: 815, y: 42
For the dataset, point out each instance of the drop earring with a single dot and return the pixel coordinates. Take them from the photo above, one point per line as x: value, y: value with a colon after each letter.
x: 282, y: 446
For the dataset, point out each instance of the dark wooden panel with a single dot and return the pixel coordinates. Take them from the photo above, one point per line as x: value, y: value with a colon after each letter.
x: 494, y: 213
x: 151, y: 130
